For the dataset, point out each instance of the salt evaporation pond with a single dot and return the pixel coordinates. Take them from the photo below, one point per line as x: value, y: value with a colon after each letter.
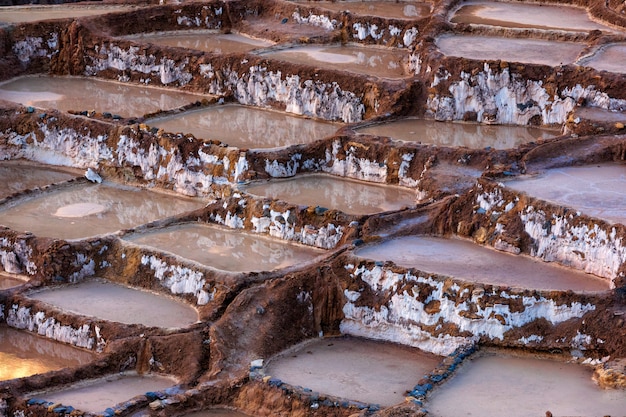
x: 455, y: 134
x: 525, y: 15
x: 31, y: 13
x: 85, y: 94
x: 610, y: 58
x: 354, y: 368
x: 9, y: 281
x: 16, y: 176
x: 95, y: 396
x: 595, y: 190
x: 247, y: 127
x: 23, y: 354
x: 208, y: 41
x: 226, y: 249
x: 501, y: 385
x: 368, y: 60
x: 114, y: 302
x: 467, y: 261
x: 84, y: 210
x: 526, y: 50
x: 349, y: 196
x: 394, y: 9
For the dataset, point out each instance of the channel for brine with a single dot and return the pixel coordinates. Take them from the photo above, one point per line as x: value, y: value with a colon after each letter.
x: 467, y: 261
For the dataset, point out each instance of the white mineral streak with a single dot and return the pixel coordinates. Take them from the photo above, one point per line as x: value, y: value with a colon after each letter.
x: 22, y: 318
x: 31, y: 47
x: 499, y: 97
x: 277, y: 170
x: 315, y: 20
x: 353, y: 167
x: 363, y: 30
x: 409, y: 36
x: 16, y: 257
x: 87, y: 268
x: 178, y: 279
x: 402, y: 317
x: 530, y: 339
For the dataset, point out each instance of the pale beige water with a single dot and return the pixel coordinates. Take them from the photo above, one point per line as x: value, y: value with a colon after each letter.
x: 8, y: 280
x: 17, y: 176
x: 64, y: 213
x: 114, y: 302
x: 495, y: 386
x: 247, y: 127
x: 597, y: 113
x: 610, y: 58
x: 97, y: 395
x: 597, y: 190
x: 31, y: 13
x: 471, y: 262
x: 352, y: 368
x: 375, y: 61
x: 524, y: 15
x: 349, y: 196
x: 508, y: 49
x: 471, y: 135
x: 84, y: 94
x: 209, y: 41
x: 227, y: 249
x: 390, y: 9
x: 24, y: 354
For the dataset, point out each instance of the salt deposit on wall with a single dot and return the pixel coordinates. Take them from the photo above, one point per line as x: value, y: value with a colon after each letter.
x: 15, y: 257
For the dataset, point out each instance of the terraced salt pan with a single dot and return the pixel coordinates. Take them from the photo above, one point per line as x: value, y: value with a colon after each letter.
x: 531, y: 51
x: 525, y: 15
x: 608, y: 58
x: 97, y: 395
x: 85, y: 94
x: 498, y: 385
x: 247, y: 127
x: 113, y: 302
x: 595, y: 190
x: 31, y: 13
x: 353, y: 368
x: 226, y: 249
x: 208, y: 41
x: 17, y: 176
x: 471, y: 262
x: 9, y: 281
x: 23, y: 354
x: 389, y: 9
x: 471, y: 135
x: 349, y: 196
x: 84, y: 210
x: 375, y: 61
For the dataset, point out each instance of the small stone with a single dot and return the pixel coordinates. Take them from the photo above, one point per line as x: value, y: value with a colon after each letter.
x: 30, y: 109
x: 619, y: 125
x: 480, y: 236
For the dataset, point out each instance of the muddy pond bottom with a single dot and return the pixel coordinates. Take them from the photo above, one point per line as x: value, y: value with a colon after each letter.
x: 608, y: 58
x: 208, y: 41
x: 531, y: 51
x: 247, y: 127
x: 85, y: 94
x: 348, y: 196
x: 97, y: 395
x: 16, y: 176
x: 31, y: 13
x: 597, y: 190
x: 354, y: 368
x: 113, y: 302
x: 453, y: 134
x: 24, y: 354
x: 83, y: 210
x: 498, y: 385
x: 226, y: 249
x: 467, y: 261
x: 390, y: 9
x: 376, y: 61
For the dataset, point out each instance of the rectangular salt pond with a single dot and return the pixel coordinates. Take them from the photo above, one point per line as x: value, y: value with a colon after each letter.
x: 453, y: 134
x: 85, y: 94
x: 367, y: 60
x: 106, y: 300
x: 394, y: 9
x: 467, y: 261
x: 84, y: 210
x: 226, y: 249
x: 32, y: 13
x: 96, y: 396
x: 203, y: 40
x: 16, y: 176
x: 247, y: 127
x: 609, y: 57
x: 23, y: 354
x: 597, y: 190
x: 353, y: 368
x: 346, y: 195
x: 532, y: 51
x: 500, y: 385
